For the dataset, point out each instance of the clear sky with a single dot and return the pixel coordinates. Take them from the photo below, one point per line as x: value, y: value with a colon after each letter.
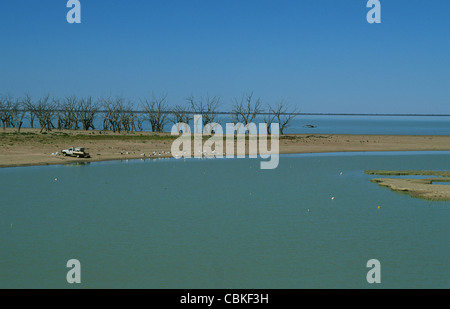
x: 317, y: 55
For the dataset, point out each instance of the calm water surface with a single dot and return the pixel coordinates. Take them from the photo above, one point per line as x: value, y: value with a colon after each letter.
x: 324, y: 124
x: 222, y: 224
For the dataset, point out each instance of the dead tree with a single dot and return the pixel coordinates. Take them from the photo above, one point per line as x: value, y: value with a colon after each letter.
x: 12, y: 112
x: 180, y: 114
x: 59, y: 113
x: 86, y: 113
x: 27, y: 104
x: 44, y: 111
x: 269, y: 119
x: 2, y: 111
x: 18, y: 112
x: 112, y: 115
x: 155, y: 111
x: 68, y: 113
x: 136, y: 120
x: 206, y: 108
x: 139, y: 118
x: 281, y: 114
x: 246, y: 110
x: 126, y: 118
x: 6, y: 105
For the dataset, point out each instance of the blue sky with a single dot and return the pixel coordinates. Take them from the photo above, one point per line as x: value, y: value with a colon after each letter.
x: 320, y: 56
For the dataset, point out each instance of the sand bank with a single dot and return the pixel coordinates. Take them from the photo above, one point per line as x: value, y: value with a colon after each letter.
x: 422, y: 188
x: 425, y: 188
x: 32, y: 148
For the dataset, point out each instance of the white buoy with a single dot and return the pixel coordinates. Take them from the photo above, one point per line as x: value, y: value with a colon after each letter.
x: 332, y: 198
x: 56, y: 179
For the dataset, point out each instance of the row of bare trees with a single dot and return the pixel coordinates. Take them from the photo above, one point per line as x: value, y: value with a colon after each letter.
x: 12, y: 112
x: 117, y: 115
x: 248, y: 108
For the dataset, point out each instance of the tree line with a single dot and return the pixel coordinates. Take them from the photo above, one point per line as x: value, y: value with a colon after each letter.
x: 118, y: 115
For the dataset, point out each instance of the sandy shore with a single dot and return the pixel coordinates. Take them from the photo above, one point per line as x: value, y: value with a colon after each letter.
x: 32, y: 148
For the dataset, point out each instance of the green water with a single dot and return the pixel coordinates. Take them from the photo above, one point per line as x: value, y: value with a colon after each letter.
x: 222, y: 224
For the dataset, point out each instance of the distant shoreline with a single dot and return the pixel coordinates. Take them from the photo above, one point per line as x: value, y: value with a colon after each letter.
x: 30, y: 148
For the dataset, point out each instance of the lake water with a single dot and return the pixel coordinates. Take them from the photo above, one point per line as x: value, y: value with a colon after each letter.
x: 384, y: 125
x: 337, y: 124
x: 396, y: 125
x: 222, y: 223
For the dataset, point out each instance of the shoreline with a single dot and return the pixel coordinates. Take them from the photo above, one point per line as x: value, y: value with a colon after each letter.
x: 30, y: 148
x: 80, y: 161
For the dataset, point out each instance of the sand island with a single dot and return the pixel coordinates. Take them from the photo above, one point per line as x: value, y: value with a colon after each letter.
x: 33, y: 148
x: 425, y: 188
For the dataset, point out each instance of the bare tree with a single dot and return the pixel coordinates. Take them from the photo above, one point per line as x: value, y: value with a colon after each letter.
x: 67, y: 113
x: 18, y: 112
x: 281, y: 114
x: 155, y: 110
x: 127, y: 118
x: 112, y: 115
x: 2, y: 111
x: 268, y: 119
x: 139, y: 118
x: 59, y: 113
x: 44, y: 112
x: 87, y: 110
x: 27, y: 104
x: 207, y: 108
x: 6, y: 105
x: 180, y: 114
x: 246, y: 110
x: 12, y: 112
